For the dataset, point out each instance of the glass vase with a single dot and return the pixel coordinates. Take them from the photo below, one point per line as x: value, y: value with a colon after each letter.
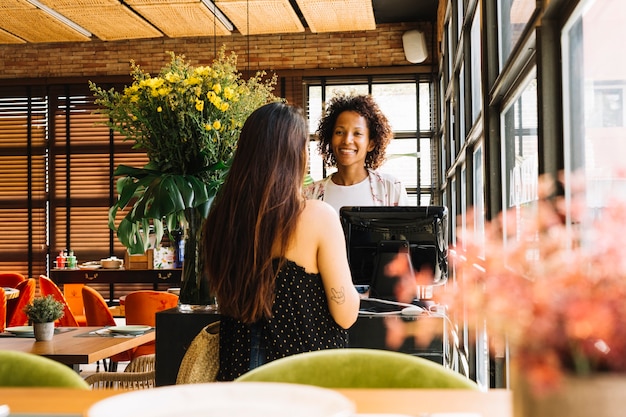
x: 194, y: 289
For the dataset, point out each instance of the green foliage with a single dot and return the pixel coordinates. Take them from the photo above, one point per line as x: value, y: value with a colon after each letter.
x: 188, y: 121
x: 44, y: 310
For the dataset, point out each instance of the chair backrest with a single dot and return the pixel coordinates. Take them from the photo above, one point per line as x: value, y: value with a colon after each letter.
x: 144, y: 363
x: 11, y: 279
x: 138, y: 374
x: 97, y: 313
x: 96, y: 309
x: 21, y: 369
x: 359, y: 368
x: 3, y: 309
x: 15, y: 307
x: 74, y: 298
x: 141, y: 306
x: 48, y: 287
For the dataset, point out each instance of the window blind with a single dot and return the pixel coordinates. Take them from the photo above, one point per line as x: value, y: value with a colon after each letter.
x: 23, y: 193
x: 57, y: 159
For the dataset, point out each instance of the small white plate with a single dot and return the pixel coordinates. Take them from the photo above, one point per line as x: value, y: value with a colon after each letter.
x: 89, y: 267
x: 130, y: 329
x: 21, y: 330
x: 232, y: 399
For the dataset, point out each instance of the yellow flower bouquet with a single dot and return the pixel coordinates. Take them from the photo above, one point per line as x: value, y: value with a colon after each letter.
x: 188, y: 120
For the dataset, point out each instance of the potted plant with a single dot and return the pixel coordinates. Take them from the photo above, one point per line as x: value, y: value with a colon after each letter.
x: 42, y: 313
x: 188, y: 121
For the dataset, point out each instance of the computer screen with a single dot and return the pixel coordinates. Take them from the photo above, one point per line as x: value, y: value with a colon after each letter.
x: 374, y: 235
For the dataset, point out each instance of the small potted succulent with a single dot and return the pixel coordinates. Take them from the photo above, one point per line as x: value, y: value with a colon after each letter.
x: 42, y: 313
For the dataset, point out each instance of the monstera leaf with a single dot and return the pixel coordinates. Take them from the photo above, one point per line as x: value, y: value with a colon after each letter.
x: 157, y: 200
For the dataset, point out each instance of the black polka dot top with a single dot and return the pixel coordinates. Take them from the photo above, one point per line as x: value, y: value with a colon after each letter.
x: 301, y: 322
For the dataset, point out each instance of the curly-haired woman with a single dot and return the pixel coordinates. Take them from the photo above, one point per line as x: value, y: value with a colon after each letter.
x: 354, y: 134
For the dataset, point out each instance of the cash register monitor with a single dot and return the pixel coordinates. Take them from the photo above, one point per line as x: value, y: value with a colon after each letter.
x: 374, y: 235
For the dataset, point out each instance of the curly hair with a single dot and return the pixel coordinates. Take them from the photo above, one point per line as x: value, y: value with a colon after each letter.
x: 380, y: 132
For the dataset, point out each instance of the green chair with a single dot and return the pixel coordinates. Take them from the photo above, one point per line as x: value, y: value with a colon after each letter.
x: 20, y: 369
x: 359, y: 368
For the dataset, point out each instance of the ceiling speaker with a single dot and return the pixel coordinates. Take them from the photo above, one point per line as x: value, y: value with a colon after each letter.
x: 414, y: 44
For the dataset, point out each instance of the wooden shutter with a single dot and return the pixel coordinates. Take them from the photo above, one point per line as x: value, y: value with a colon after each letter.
x: 83, y: 157
x: 23, y: 152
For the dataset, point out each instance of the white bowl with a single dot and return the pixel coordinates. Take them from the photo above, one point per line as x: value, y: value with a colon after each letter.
x: 232, y: 399
x: 111, y: 263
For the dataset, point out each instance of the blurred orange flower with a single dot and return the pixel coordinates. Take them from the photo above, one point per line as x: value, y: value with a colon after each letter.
x: 556, y: 292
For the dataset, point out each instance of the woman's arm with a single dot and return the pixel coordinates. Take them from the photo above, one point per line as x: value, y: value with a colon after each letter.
x: 332, y: 261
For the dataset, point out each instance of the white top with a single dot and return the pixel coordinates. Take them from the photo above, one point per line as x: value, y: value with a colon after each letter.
x: 349, y: 195
x: 384, y: 190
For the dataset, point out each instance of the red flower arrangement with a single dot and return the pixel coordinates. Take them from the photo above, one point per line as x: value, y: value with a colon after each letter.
x: 556, y: 292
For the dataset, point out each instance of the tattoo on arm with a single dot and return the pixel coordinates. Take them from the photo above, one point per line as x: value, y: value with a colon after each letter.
x: 338, y: 295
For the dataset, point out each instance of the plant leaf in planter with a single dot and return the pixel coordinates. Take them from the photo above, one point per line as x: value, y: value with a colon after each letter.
x: 44, y: 310
x: 158, y: 198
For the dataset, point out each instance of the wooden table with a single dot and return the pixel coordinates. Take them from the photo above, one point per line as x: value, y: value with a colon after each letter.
x: 414, y: 402
x: 74, y: 345
x: 11, y: 293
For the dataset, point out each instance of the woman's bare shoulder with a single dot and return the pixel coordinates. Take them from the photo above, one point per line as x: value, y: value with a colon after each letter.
x: 319, y: 208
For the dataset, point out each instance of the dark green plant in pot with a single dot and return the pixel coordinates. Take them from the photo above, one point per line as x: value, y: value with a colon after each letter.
x: 44, y: 310
x: 188, y: 120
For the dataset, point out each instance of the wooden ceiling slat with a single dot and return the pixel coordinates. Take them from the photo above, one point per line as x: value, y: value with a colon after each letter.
x: 35, y: 25
x: 181, y: 19
x: 260, y: 17
x: 111, y: 22
x: 338, y: 16
x: 6, y: 37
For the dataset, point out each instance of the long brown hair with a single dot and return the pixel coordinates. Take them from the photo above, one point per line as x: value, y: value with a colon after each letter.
x: 256, y: 209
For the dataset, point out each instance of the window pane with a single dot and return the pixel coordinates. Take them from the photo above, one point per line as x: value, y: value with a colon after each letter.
x: 426, y: 163
x: 461, y: 114
x: 594, y: 85
x: 520, y: 154
x: 398, y: 102
x: 332, y: 90
x: 450, y: 130
x: 426, y: 110
x: 402, y: 161
x: 478, y: 198
x: 476, y: 83
x: 314, y: 107
x: 513, y: 17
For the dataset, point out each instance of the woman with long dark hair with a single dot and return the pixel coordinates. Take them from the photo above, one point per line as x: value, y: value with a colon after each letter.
x: 276, y: 262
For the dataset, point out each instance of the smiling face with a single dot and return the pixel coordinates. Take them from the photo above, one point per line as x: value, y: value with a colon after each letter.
x: 351, y: 140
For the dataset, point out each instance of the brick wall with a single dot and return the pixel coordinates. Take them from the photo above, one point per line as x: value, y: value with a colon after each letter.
x: 378, y: 48
x: 293, y: 55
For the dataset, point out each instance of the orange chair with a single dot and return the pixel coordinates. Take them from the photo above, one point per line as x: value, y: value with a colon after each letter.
x: 74, y: 297
x: 48, y: 287
x: 15, y: 307
x: 141, y: 308
x: 3, y: 309
x: 11, y: 279
x: 98, y: 314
